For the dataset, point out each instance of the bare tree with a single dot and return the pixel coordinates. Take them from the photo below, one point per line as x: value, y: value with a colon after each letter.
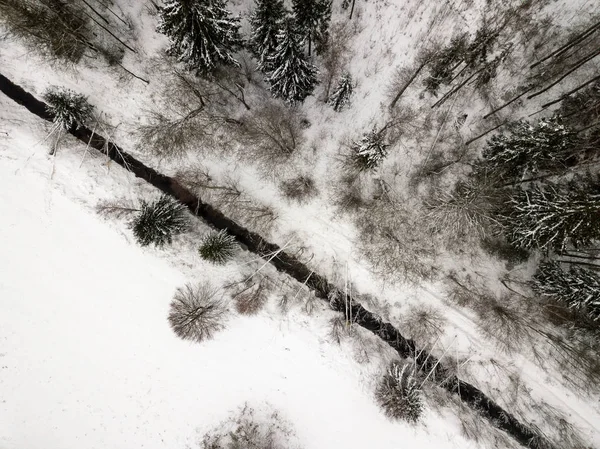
x: 197, y: 312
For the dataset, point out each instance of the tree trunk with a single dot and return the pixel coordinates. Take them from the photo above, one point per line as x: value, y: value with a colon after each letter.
x: 408, y: 83
x: 544, y: 106
x: 571, y: 70
x: 577, y: 39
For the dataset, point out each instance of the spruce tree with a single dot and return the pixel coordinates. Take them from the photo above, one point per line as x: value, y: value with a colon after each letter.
x: 529, y: 149
x: 578, y: 288
x: 266, y: 22
x: 368, y: 153
x: 312, y: 18
x: 554, y: 216
x: 342, y: 93
x: 203, y: 33
x: 292, y: 77
x: 159, y: 221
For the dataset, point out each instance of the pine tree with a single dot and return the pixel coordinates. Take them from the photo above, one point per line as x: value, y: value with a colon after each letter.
x: 203, y: 33
x: 312, y: 19
x: 529, y: 149
x: 368, y: 153
x: 578, y: 288
x: 293, y: 77
x: 70, y: 109
x: 159, y: 221
x: 399, y: 393
x: 554, y: 216
x: 218, y: 247
x: 342, y: 93
x: 266, y: 22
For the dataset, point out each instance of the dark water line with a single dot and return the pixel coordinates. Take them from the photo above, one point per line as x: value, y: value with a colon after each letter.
x: 288, y: 264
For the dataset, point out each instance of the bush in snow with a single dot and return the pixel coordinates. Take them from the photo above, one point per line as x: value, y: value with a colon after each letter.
x: 197, y: 312
x: 369, y: 151
x: 342, y: 93
x: 399, y: 393
x: 578, y: 288
x: 251, y: 299
x: 300, y: 188
x: 159, y: 221
x: 203, y: 34
x: 217, y: 247
x: 250, y: 429
x: 70, y: 109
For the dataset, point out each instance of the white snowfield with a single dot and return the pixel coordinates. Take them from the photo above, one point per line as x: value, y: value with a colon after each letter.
x: 87, y: 359
x: 86, y: 356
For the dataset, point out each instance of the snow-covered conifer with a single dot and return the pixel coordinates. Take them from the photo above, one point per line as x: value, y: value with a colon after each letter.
x: 266, y: 22
x: 293, y: 77
x: 578, y: 288
x: 342, y: 93
x: 552, y: 216
x: 70, y: 109
x: 159, y: 221
x: 217, y: 247
x: 203, y: 33
x: 312, y: 19
x: 529, y: 149
x: 369, y: 151
x: 399, y: 393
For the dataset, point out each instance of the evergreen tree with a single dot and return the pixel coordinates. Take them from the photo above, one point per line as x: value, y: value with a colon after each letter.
x: 578, y: 288
x: 292, y: 77
x: 368, y: 153
x: 529, y: 149
x: 70, y: 110
x: 203, y: 33
x: 553, y: 216
x: 218, y: 247
x: 266, y: 22
x: 159, y: 221
x: 399, y: 393
x: 342, y: 93
x: 312, y: 18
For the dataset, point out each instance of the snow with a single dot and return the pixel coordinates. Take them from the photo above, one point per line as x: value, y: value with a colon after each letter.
x: 88, y: 359
x: 162, y: 381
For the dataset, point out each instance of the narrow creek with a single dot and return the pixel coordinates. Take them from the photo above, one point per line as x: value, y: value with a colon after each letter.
x: 285, y: 263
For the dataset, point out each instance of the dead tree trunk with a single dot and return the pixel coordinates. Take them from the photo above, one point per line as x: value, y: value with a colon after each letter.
x: 408, y: 83
x: 576, y: 40
x: 544, y: 106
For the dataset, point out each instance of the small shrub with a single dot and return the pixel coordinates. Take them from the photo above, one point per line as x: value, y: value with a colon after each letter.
x: 218, y: 247
x: 251, y: 300
x: 159, y: 221
x: 251, y: 430
x: 197, y: 312
x: 70, y: 109
x: 424, y: 324
x: 299, y: 189
x: 399, y: 393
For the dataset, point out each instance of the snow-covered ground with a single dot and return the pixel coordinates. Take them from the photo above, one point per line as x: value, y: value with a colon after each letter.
x: 164, y: 387
x: 87, y: 358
